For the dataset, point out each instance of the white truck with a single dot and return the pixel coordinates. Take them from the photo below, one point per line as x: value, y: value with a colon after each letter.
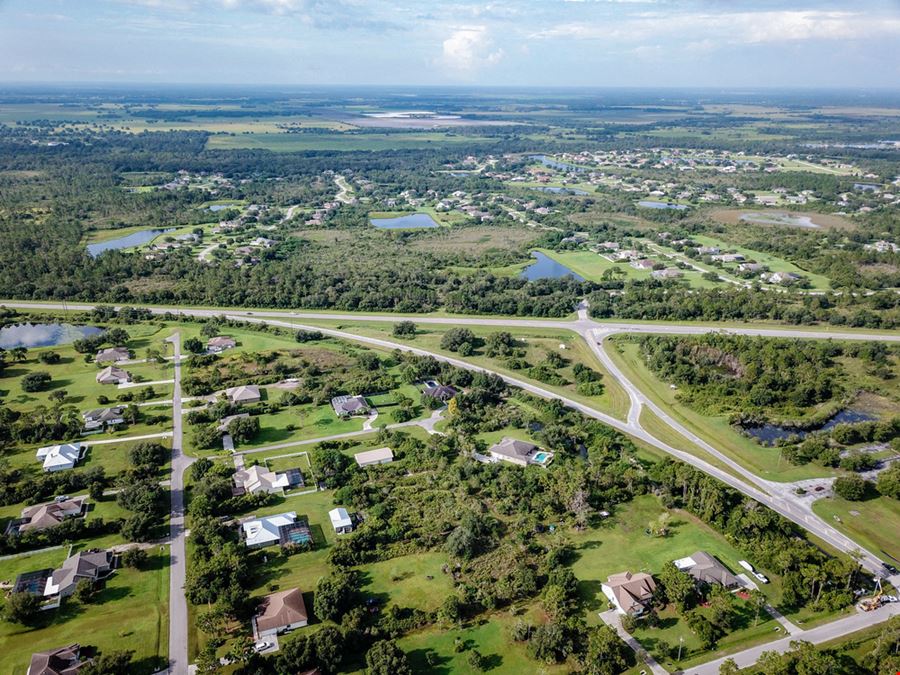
x: 759, y: 576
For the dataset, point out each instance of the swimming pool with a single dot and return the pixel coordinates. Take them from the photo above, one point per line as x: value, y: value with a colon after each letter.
x: 541, y: 457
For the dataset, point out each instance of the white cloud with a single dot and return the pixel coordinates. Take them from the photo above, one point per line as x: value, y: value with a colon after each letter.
x: 469, y: 48
x: 733, y: 27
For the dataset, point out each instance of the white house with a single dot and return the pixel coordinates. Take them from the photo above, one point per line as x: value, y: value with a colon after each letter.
x: 266, y: 531
x: 373, y: 457
x: 259, y: 479
x: 340, y: 520
x: 60, y: 457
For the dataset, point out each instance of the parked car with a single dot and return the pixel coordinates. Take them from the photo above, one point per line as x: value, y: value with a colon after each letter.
x: 261, y: 646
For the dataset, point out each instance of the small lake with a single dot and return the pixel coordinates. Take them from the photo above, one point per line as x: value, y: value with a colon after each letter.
x: 770, y: 433
x: 43, y: 334
x: 780, y: 218
x: 663, y: 205
x: 554, y: 164
x: 408, y: 222
x: 215, y: 208
x: 128, y: 241
x: 547, y: 268
x: 562, y: 190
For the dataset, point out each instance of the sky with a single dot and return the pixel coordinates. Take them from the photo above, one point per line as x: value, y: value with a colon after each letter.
x: 596, y: 43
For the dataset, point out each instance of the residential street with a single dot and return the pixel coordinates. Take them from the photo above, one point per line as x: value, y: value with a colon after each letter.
x: 817, y: 635
x: 178, y: 614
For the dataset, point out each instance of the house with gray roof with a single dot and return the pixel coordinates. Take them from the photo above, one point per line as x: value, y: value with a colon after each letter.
x: 100, y: 418
x: 92, y: 566
x: 706, y: 569
x: 113, y: 375
x: 348, y: 406
x: 518, y: 452
x: 113, y: 354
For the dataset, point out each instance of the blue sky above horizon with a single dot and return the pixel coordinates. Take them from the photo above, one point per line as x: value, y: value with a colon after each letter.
x: 644, y: 43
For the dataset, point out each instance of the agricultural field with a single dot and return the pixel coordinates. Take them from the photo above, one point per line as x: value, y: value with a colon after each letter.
x: 339, y: 141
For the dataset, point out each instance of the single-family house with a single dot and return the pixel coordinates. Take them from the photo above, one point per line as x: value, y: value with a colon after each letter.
x: 220, y: 343
x: 666, y: 274
x: 347, y: 406
x: 630, y: 593
x: 113, y: 375
x: 519, y: 452
x: 628, y: 254
x: 781, y: 278
x: 60, y: 457
x: 247, y: 393
x: 92, y: 566
x: 373, y: 457
x: 729, y: 257
x: 280, y: 612
x: 708, y: 250
x: 706, y: 569
x: 259, y: 479
x: 751, y: 267
x: 436, y: 390
x: 43, y: 516
x: 643, y: 264
x: 340, y: 520
x: 113, y: 354
x: 101, y: 418
x: 59, y: 661
x: 259, y: 532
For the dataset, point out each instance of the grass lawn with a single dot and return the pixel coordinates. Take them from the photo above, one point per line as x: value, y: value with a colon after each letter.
x: 874, y: 523
x: 130, y: 613
x: 404, y: 581
x: 491, y: 638
x: 763, y: 461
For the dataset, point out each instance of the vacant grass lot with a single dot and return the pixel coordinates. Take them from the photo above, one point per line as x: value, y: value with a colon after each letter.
x: 491, y: 638
x: 874, y: 523
x: 130, y: 613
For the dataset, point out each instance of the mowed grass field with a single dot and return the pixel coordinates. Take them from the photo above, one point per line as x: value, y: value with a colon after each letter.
x: 129, y: 613
x: 874, y: 523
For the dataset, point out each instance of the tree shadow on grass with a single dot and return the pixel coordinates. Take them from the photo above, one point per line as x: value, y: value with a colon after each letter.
x: 429, y: 661
x: 592, y: 598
